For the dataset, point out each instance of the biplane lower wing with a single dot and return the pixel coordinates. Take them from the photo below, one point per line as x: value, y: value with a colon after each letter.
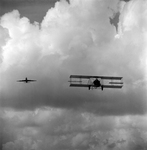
x: 102, y: 77
x: 104, y: 86
x: 112, y: 86
x: 80, y: 85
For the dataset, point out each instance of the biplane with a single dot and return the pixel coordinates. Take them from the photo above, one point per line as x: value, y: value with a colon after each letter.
x: 26, y: 80
x: 94, y: 82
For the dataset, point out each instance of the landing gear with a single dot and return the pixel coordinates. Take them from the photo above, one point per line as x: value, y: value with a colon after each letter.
x: 102, y: 87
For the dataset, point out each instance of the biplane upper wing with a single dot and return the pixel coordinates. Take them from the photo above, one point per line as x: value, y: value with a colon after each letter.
x: 102, y: 77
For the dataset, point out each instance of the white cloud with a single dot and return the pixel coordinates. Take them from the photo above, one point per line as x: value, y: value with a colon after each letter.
x: 74, y: 38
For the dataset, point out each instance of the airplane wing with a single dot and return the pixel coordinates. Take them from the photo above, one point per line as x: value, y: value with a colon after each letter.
x: 26, y: 81
x: 102, y: 77
x: 112, y: 86
x: 80, y: 85
x: 78, y: 82
x: 31, y: 80
x: 21, y: 80
x: 91, y: 85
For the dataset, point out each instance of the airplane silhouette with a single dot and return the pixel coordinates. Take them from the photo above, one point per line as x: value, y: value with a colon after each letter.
x: 115, y: 82
x: 26, y: 80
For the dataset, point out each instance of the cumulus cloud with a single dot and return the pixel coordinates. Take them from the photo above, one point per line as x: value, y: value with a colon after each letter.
x: 74, y: 38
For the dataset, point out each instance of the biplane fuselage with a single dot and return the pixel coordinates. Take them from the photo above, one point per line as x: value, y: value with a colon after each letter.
x: 95, y: 81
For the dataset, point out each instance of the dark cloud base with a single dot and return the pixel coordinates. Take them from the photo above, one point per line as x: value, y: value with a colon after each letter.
x: 126, y: 0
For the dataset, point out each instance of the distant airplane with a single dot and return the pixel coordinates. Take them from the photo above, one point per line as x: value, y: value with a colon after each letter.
x: 93, y: 81
x: 26, y: 80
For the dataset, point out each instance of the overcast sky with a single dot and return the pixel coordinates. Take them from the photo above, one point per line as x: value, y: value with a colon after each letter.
x: 49, y: 41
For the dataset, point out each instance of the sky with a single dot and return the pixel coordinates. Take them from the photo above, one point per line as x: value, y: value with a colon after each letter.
x: 34, y: 10
x: 51, y: 40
